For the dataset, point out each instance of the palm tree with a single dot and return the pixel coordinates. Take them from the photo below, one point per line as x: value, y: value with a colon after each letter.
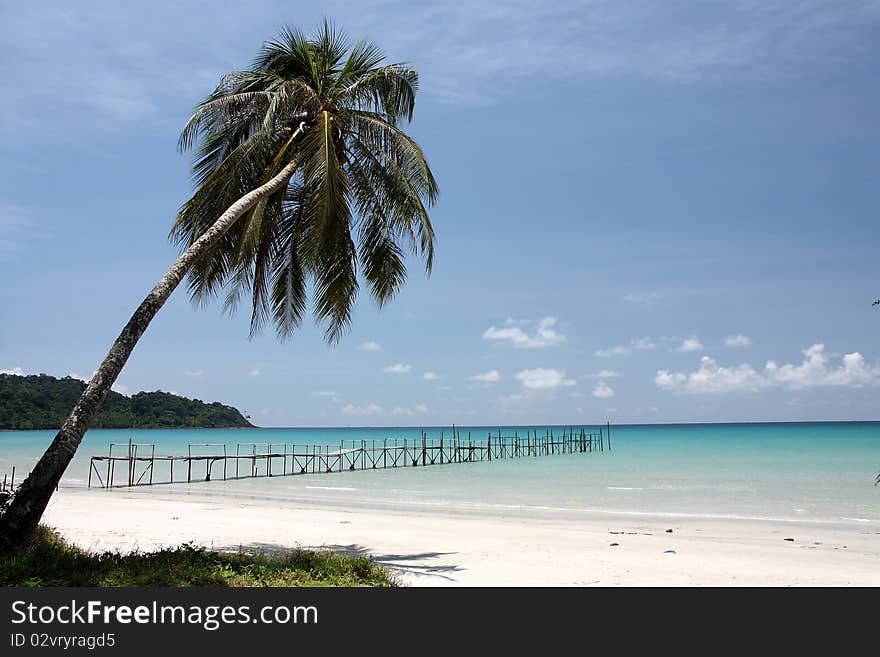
x: 305, y: 182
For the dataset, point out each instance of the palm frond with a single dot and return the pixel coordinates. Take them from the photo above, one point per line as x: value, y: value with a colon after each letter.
x: 326, y: 205
x: 358, y: 196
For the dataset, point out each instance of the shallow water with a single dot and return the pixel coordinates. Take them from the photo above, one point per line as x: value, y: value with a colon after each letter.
x: 820, y: 472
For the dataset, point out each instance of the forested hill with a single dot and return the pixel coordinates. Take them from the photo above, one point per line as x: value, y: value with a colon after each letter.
x: 43, y: 402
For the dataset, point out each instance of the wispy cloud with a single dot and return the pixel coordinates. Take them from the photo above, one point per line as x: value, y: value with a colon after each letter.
x: 323, y: 393
x: 366, y: 409
x: 543, y: 379
x: 545, y: 335
x: 418, y: 409
x: 98, y: 71
x: 254, y: 373
x: 815, y: 370
x: 492, y: 376
x: 690, y: 344
x: 681, y: 42
x: 17, y: 230
x: 397, y: 368
x: 647, y: 299
x: 369, y: 345
x: 431, y: 376
x: 602, y: 390
x: 606, y: 374
x: 738, y: 340
x: 194, y: 374
x: 636, y: 344
x: 14, y: 370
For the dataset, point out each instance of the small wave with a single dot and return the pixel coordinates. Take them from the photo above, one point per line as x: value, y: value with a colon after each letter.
x: 623, y: 488
x: 855, y: 519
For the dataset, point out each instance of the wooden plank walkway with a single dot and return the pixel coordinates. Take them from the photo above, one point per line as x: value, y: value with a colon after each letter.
x: 134, y: 464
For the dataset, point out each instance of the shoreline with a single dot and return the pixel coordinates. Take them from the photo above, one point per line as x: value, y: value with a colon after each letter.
x: 483, y: 547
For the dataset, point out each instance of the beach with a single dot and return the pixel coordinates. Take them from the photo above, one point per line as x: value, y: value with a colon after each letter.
x: 437, y: 547
x: 731, y: 494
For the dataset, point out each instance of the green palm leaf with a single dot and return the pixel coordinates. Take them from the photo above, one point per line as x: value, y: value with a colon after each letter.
x: 356, y: 204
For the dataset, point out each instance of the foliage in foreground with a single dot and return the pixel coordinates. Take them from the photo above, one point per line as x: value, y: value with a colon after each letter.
x: 52, y: 562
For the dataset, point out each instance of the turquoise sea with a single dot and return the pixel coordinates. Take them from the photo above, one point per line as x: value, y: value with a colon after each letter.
x: 819, y: 472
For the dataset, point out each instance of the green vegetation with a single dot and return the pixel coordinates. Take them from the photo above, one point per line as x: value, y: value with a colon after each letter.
x: 51, y: 562
x: 43, y: 402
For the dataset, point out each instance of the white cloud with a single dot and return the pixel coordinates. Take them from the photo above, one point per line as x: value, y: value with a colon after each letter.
x: 418, y: 409
x: 620, y: 350
x: 431, y: 376
x: 254, y: 373
x: 690, y: 344
x: 545, y: 335
x: 369, y: 345
x: 602, y: 390
x: 196, y: 374
x: 323, y: 393
x: 648, y: 299
x: 738, y: 340
x: 606, y: 374
x: 397, y: 368
x: 120, y: 388
x: 367, y: 409
x: 15, y: 370
x: 543, y: 379
x: 711, y: 377
x: 636, y: 344
x: 815, y: 370
x: 492, y: 376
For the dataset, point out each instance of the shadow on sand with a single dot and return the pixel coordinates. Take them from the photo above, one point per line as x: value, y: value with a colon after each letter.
x: 421, y: 564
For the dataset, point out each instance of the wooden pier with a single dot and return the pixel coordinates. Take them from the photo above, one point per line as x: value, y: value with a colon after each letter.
x: 8, y: 483
x: 203, y: 461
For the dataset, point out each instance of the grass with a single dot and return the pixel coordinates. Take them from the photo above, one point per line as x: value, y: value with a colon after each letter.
x: 51, y: 561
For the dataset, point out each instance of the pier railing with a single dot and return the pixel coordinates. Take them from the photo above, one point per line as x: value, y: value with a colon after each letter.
x: 134, y: 464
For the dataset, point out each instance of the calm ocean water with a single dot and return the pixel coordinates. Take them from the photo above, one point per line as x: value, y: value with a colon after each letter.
x: 820, y: 472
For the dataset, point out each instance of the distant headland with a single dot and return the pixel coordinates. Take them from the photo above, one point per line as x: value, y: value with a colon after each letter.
x: 41, y: 401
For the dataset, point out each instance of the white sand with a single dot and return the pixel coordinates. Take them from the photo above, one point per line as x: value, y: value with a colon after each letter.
x: 436, y: 548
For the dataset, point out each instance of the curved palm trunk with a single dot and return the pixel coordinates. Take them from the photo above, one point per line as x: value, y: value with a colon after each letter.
x: 21, y: 517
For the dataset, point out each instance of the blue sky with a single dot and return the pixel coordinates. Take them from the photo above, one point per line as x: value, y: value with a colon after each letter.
x: 649, y: 212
